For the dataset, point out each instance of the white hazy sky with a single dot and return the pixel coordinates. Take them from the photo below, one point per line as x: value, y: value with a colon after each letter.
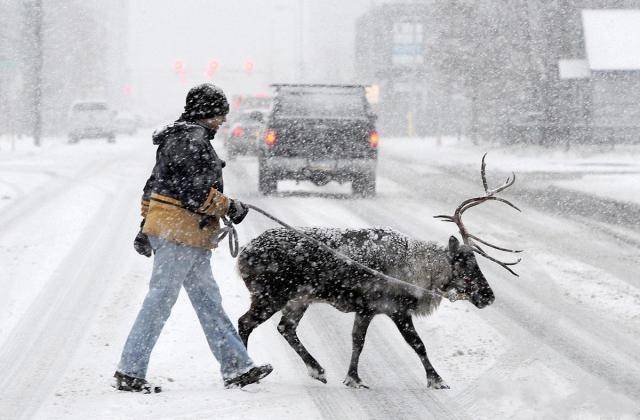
x: 232, y: 32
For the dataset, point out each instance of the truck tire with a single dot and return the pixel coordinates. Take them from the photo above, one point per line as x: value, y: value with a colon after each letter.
x: 267, y: 182
x: 364, y: 185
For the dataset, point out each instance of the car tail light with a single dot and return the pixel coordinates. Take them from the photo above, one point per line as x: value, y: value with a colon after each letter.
x: 270, y: 138
x: 374, y: 139
x: 238, y: 132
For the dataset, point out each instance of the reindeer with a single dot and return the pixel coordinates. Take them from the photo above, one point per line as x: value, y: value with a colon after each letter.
x: 285, y: 271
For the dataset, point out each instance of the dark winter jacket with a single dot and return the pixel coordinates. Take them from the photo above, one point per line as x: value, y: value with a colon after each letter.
x: 185, y: 186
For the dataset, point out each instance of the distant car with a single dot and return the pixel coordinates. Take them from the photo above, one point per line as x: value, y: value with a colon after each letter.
x: 125, y: 123
x: 319, y: 133
x: 244, y: 133
x: 91, y: 119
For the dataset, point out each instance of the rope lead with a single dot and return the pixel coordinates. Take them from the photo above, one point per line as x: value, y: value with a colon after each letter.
x: 230, y: 230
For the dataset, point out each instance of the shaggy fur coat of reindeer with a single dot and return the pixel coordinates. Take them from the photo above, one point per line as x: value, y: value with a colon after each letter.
x: 284, y: 256
x: 284, y: 271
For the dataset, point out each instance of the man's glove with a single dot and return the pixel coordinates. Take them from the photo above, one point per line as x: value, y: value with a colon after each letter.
x: 237, y: 211
x: 141, y: 243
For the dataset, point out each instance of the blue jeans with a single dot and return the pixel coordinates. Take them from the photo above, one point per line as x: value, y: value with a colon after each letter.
x: 174, y: 266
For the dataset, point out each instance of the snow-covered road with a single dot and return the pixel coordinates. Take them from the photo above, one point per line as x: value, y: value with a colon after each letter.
x: 561, y: 341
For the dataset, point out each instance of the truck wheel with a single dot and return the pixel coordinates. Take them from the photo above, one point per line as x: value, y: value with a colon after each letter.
x: 364, y: 185
x: 267, y: 182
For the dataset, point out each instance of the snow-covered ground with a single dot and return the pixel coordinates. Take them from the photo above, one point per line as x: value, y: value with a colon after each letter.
x: 561, y: 341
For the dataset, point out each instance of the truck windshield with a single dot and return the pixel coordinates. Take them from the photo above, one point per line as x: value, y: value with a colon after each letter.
x: 337, y: 103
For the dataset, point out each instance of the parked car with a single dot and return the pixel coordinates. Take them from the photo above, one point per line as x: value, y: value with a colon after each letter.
x: 91, y: 119
x: 319, y: 133
x: 244, y: 134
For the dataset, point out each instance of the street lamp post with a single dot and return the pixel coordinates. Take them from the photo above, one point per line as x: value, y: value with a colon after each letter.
x: 37, y: 72
x: 301, y: 40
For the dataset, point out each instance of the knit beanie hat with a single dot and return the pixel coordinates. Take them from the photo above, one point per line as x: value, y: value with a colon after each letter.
x: 205, y: 101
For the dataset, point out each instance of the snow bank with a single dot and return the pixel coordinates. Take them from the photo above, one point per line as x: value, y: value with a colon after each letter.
x: 612, y: 173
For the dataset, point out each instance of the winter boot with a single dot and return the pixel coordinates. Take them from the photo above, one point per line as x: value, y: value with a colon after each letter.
x: 251, y: 376
x: 133, y: 384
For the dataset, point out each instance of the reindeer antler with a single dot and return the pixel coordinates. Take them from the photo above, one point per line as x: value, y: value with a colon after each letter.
x: 468, y: 238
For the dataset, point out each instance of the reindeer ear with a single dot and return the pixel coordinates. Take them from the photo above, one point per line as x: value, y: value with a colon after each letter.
x: 454, y: 245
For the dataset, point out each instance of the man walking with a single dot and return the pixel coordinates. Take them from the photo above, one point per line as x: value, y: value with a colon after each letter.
x: 182, y: 204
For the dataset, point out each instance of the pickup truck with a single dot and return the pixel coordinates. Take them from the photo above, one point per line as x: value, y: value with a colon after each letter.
x: 319, y: 133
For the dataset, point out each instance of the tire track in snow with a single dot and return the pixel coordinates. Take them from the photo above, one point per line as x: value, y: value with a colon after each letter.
x: 16, y: 191
x: 60, y: 180
x: 38, y: 349
x: 17, y: 210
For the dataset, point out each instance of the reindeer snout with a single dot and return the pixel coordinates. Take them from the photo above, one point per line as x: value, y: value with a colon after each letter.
x: 483, y: 298
x: 491, y: 299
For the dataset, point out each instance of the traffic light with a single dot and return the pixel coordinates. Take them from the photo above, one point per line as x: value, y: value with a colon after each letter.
x: 248, y: 66
x: 212, y: 68
x: 178, y: 67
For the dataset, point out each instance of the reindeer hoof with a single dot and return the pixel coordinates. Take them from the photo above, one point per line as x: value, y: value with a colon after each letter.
x: 317, y: 374
x: 354, y: 383
x: 437, y: 383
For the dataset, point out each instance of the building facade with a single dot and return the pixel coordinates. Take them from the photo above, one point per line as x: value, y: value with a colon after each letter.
x: 520, y: 72
x: 393, y: 53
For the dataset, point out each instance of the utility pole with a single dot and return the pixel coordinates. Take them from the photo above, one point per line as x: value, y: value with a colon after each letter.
x: 300, y: 40
x: 37, y: 72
